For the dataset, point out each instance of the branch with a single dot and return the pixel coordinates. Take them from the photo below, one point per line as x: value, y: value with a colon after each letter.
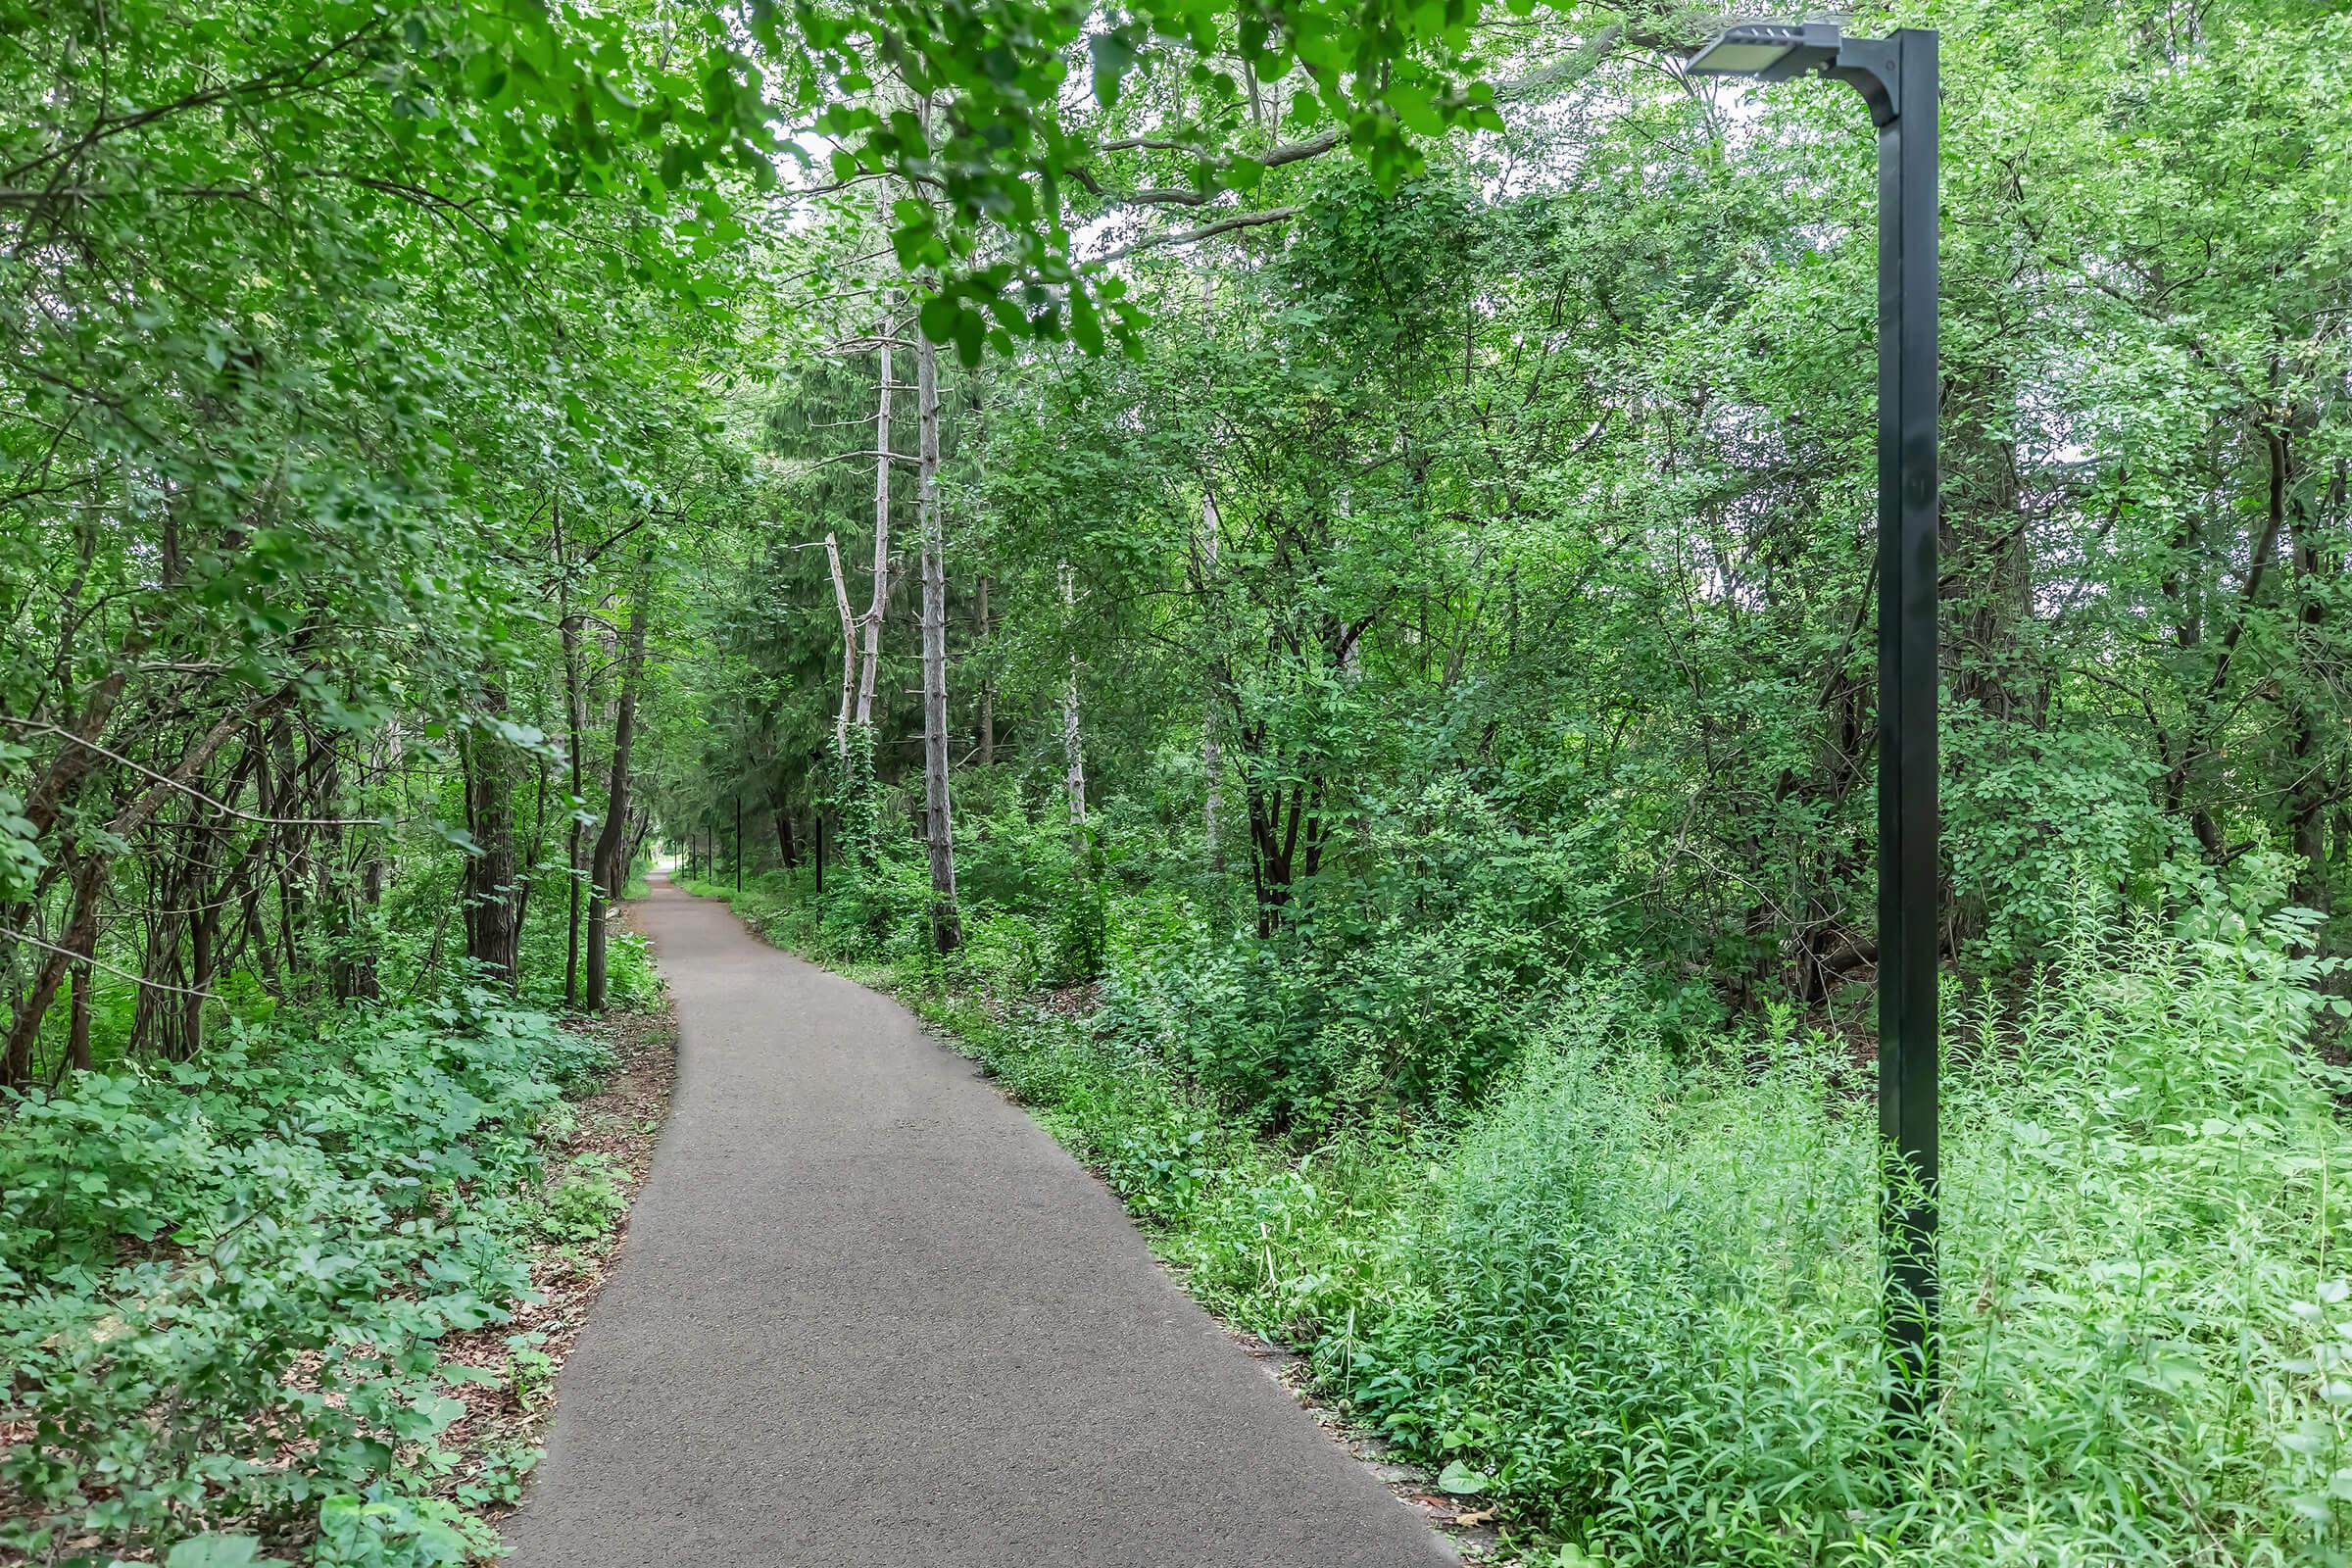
x: 609, y: 540
x: 1191, y: 236
x: 1154, y: 143
x: 100, y: 964
x: 1291, y: 152
x: 190, y: 790
x: 851, y: 457
x: 1567, y: 68
x: 287, y: 79
x: 1161, y: 197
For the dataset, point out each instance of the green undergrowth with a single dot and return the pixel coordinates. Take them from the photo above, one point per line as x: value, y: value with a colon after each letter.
x: 1632, y: 1298
x: 225, y: 1284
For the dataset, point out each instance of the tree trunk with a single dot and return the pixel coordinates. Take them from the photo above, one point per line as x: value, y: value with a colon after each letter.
x: 276, y: 784
x: 204, y: 904
x: 77, y: 1020
x: 1212, y: 753
x: 988, y: 689
x: 80, y: 936
x: 322, y: 764
x: 611, y: 838
x: 786, y: 848
x: 493, y: 925
x: 365, y: 983
x: 1074, y: 774
x: 882, y: 463
x: 24, y: 1028
x: 1286, y: 841
x: 1988, y: 587
x: 849, y: 649
x: 2314, y: 785
x: 938, y: 826
x: 203, y: 928
x: 576, y: 720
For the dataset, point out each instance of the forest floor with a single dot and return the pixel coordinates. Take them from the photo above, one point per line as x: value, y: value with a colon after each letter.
x: 872, y: 1315
x: 614, y: 1131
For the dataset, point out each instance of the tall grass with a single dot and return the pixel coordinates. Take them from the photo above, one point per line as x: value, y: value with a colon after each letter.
x: 1638, y: 1298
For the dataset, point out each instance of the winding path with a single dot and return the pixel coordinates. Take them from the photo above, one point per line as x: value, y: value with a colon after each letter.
x: 870, y: 1315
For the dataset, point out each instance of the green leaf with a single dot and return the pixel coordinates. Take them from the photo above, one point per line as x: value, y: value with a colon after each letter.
x: 939, y: 316
x: 971, y: 333
x: 1461, y: 1480
x: 1111, y: 54
x: 1086, y: 327
x: 1414, y: 109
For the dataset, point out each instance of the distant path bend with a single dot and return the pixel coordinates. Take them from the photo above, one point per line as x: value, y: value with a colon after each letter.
x: 870, y: 1316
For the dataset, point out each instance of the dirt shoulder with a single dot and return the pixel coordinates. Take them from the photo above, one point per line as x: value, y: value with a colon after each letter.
x: 594, y: 1173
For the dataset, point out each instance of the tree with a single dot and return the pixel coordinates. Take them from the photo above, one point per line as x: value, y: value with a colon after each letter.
x: 938, y: 826
x: 616, y: 840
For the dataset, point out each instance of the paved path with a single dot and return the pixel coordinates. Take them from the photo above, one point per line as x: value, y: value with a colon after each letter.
x: 868, y: 1314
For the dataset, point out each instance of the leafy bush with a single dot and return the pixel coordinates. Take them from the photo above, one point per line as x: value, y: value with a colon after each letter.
x: 1001, y: 954
x: 1332, y: 1017
x: 586, y: 1204
x: 1009, y: 858
x: 1412, y: 987
x: 1078, y: 939
x: 2032, y: 817
x: 221, y: 1282
x: 631, y: 980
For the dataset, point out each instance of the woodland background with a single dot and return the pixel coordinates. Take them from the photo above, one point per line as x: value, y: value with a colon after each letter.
x: 1349, y: 572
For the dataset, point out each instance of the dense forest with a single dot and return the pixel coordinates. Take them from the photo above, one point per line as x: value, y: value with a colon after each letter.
x: 1303, y: 579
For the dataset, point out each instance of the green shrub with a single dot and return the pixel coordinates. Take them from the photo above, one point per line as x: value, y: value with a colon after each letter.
x: 221, y: 1282
x: 1001, y: 954
x: 631, y: 982
x: 1333, y: 1018
x: 630, y: 979
x: 1078, y: 941
x: 586, y: 1204
x: 1011, y: 859
x: 2035, y: 815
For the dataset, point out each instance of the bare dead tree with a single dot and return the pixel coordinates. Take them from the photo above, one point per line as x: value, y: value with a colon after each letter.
x: 938, y: 825
x: 1074, y: 774
x: 882, y: 462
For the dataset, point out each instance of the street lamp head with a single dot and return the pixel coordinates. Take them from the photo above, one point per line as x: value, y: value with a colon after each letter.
x: 1776, y: 51
x: 1769, y: 51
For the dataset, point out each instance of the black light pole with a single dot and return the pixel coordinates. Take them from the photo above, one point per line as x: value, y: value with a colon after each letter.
x: 739, y: 844
x: 1897, y: 77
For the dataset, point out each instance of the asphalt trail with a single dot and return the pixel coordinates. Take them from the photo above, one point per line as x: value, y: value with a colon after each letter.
x: 870, y: 1315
